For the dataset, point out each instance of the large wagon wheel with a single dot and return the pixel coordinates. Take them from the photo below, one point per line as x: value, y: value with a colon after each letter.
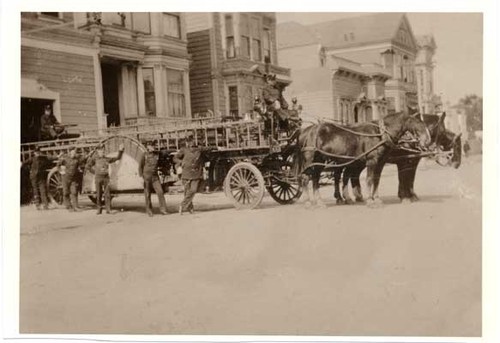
x: 244, y: 185
x: 285, y: 190
x: 55, y: 186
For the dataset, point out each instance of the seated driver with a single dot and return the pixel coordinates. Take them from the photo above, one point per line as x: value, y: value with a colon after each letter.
x: 49, y: 126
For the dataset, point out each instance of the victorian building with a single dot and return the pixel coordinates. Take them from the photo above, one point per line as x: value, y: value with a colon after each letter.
x: 229, y: 52
x: 103, y: 69
x: 366, y: 65
x: 428, y: 102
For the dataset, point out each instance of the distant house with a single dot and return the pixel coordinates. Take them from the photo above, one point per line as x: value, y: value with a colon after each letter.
x: 424, y: 67
x: 228, y: 52
x: 352, y: 69
x: 103, y: 69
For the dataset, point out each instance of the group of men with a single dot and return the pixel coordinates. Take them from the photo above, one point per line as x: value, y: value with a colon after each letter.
x: 189, y: 159
x: 189, y: 162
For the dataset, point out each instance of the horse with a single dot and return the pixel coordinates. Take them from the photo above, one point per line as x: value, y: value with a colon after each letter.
x: 406, y: 160
x: 407, y: 163
x: 332, y: 146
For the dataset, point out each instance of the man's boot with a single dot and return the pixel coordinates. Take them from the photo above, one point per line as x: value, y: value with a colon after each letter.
x: 99, y: 210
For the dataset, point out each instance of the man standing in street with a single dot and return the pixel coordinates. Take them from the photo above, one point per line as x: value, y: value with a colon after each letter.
x: 39, y: 164
x: 99, y: 166
x: 191, y: 159
x: 148, y: 170
x: 70, y: 169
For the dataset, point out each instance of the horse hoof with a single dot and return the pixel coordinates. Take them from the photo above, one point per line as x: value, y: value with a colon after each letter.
x: 414, y: 198
x: 308, y: 204
x: 405, y: 201
x: 378, y: 201
x: 349, y: 202
x: 360, y: 200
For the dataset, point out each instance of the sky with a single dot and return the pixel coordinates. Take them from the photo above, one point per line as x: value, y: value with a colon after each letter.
x: 459, y: 39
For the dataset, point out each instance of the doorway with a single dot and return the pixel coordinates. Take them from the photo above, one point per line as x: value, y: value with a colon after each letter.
x: 110, y: 73
x: 31, y: 111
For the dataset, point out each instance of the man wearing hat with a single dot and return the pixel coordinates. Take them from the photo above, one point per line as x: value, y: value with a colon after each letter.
x: 39, y: 165
x: 148, y: 170
x: 70, y: 166
x: 191, y: 159
x: 99, y: 166
x: 48, y: 124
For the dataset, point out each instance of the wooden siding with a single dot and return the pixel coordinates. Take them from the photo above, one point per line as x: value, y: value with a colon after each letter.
x: 200, y: 79
x: 72, y: 76
x: 219, y: 54
x: 197, y: 21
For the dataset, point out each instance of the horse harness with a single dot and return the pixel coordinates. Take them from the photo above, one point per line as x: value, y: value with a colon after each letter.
x: 383, y: 133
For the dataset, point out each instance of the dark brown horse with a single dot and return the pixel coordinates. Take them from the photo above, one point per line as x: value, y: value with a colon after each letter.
x: 442, y: 139
x: 406, y: 160
x: 331, y: 146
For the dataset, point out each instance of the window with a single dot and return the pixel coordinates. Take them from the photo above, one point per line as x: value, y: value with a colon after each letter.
x: 351, y: 35
x: 149, y: 91
x: 176, y: 100
x: 267, y: 44
x: 345, y: 37
x: 256, y: 52
x: 230, y: 51
x: 256, y: 45
x: 233, y: 101
x: 171, y: 25
x: 245, y: 36
x: 141, y: 22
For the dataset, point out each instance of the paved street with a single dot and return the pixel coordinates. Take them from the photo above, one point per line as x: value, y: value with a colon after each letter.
x: 344, y: 270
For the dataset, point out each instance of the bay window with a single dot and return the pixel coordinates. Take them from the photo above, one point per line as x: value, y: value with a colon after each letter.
x: 176, y: 99
x: 171, y: 25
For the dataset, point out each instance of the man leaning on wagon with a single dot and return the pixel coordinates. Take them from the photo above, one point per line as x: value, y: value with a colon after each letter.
x: 39, y: 165
x: 99, y: 166
x: 70, y: 167
x: 148, y: 170
x: 191, y: 159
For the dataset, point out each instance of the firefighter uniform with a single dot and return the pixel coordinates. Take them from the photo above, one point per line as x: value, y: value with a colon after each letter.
x: 148, y: 170
x: 191, y: 161
x: 39, y: 164
x: 100, y: 167
x: 70, y: 179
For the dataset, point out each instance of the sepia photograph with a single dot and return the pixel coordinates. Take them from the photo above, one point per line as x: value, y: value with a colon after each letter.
x: 251, y: 173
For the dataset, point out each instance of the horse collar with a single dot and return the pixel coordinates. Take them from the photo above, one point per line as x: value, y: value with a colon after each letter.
x: 384, y: 133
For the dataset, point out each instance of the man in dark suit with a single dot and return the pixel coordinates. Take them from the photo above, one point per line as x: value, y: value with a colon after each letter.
x: 191, y: 159
x: 39, y: 165
x: 70, y: 166
x: 148, y: 170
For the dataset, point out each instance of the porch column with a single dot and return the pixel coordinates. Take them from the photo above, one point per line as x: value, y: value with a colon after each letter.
x: 187, y: 94
x: 141, y: 101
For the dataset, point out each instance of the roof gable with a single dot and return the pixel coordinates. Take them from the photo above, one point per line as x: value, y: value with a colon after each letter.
x: 404, y: 36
